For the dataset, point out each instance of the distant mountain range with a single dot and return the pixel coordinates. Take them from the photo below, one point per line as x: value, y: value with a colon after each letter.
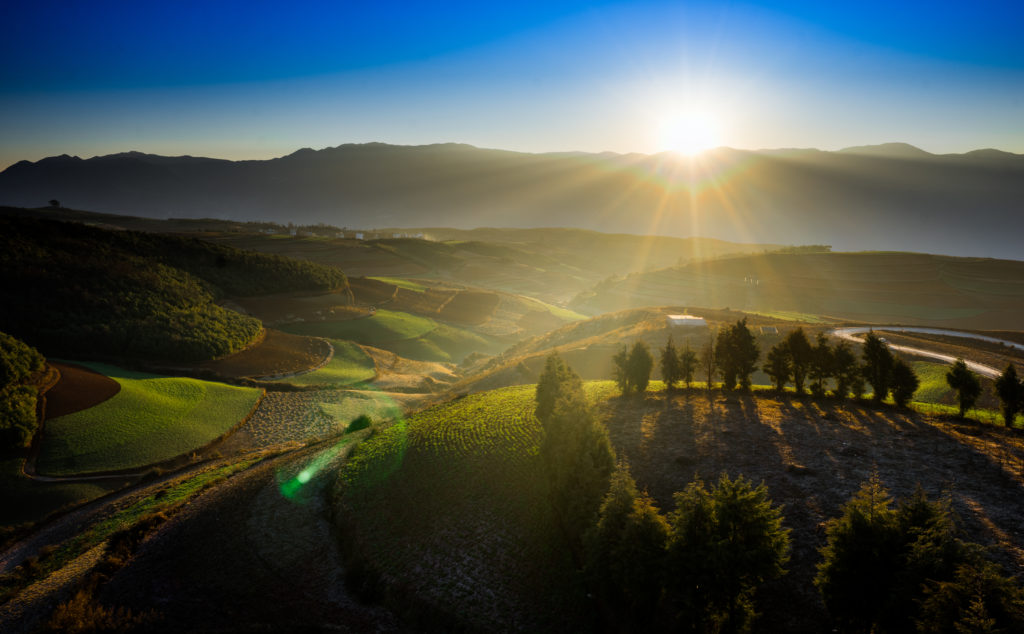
x: 886, y: 197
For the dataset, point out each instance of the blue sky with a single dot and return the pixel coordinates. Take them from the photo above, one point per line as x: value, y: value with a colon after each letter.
x: 260, y: 79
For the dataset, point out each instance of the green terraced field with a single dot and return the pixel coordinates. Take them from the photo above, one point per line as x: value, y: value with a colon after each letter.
x: 385, y: 326
x: 152, y: 418
x: 410, y: 336
x: 406, y: 284
x: 349, y: 365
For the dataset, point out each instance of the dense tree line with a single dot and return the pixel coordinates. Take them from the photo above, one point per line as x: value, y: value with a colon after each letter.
x: 796, y: 360
x: 18, y: 362
x: 734, y: 352
x: 81, y: 291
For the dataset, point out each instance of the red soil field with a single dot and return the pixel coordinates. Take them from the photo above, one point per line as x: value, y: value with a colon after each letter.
x: 78, y: 388
x: 277, y: 353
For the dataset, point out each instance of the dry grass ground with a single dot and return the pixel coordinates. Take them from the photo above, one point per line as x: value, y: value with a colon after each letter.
x: 813, y: 455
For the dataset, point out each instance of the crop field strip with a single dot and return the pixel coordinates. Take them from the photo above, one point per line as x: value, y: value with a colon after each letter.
x: 385, y: 326
x: 408, y: 335
x: 349, y: 365
x: 455, y: 493
x: 152, y: 418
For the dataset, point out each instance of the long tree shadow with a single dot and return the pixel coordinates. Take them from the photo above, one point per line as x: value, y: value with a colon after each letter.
x: 813, y: 454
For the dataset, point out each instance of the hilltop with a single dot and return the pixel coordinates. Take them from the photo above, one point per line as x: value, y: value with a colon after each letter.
x: 878, y: 197
x: 883, y: 288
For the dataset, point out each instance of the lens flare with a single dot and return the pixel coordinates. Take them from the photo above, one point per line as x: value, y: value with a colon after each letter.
x: 296, y: 482
x: 689, y: 133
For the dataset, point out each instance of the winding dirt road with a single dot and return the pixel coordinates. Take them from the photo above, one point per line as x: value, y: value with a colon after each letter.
x: 851, y: 334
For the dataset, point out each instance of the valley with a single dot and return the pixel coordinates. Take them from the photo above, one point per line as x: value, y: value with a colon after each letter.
x: 348, y: 425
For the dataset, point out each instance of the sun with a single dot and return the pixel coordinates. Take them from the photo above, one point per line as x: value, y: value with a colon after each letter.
x: 689, y: 133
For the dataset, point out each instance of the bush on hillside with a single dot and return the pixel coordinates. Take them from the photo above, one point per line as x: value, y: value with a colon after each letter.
x: 904, y: 382
x: 724, y: 544
x: 359, y: 422
x: 17, y: 401
x: 18, y: 361
x: 17, y: 417
x: 966, y: 384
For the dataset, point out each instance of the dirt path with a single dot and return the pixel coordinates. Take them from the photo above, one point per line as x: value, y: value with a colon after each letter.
x: 30, y: 609
x: 68, y: 525
x: 850, y: 334
x: 262, y: 544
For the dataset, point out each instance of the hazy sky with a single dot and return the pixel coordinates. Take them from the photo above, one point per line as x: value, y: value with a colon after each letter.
x: 260, y: 79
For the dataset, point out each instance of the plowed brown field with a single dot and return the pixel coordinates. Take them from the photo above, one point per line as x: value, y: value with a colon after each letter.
x: 278, y: 353
x: 78, y: 388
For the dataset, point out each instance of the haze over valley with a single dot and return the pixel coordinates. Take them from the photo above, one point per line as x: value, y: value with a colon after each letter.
x: 886, y: 197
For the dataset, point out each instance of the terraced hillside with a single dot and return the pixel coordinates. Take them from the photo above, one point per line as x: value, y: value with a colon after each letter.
x: 408, y: 335
x: 904, y: 288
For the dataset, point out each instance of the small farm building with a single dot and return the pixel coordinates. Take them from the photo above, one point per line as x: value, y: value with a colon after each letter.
x: 685, y: 321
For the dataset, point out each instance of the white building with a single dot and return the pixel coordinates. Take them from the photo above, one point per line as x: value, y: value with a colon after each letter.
x: 686, y: 321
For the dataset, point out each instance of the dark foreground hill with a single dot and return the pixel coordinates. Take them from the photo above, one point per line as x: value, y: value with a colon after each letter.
x: 446, y: 516
x: 881, y: 197
x: 73, y: 290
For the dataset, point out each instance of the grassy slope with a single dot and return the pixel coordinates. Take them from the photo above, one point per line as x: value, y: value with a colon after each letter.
x: 385, y: 326
x: 451, y: 503
x: 349, y: 365
x: 152, y: 418
x: 411, y: 336
x: 406, y: 284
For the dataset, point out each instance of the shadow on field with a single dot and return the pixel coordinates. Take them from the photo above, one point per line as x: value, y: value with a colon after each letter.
x: 813, y: 454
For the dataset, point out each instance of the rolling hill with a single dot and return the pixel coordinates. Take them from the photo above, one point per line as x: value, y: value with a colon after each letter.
x: 76, y: 291
x: 878, y: 197
x: 900, y: 288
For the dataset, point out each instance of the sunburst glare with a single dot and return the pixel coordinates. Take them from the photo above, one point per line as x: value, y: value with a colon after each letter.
x: 689, y: 133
